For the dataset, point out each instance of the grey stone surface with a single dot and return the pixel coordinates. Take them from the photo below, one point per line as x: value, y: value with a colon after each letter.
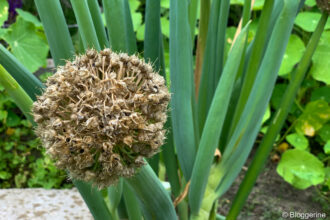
x: 42, y: 204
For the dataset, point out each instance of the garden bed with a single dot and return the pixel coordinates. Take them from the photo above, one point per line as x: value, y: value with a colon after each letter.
x: 272, y: 196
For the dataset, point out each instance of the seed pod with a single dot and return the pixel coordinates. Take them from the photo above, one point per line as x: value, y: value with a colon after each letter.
x: 101, y: 114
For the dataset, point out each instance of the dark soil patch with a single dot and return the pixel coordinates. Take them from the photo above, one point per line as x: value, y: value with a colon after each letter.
x: 272, y: 196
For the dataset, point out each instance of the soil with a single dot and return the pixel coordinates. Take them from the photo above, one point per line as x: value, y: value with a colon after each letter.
x: 272, y: 196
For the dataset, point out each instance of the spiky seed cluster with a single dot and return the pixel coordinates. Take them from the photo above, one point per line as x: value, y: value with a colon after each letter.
x: 324, y: 5
x: 101, y: 114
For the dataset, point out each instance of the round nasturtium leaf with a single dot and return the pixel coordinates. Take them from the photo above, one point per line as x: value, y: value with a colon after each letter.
x: 258, y: 4
x: 310, y: 3
x: 134, y: 4
x: 137, y: 20
x: 165, y: 23
x: 3, y: 12
x: 327, y: 147
x: 298, y: 141
x: 165, y: 3
x: 29, y: 48
x: 321, y: 59
x: 136, y: 16
x: 309, y: 20
x: 3, y: 115
x: 315, y: 115
x: 301, y: 168
x: 327, y: 176
x: 293, y: 54
x: 27, y: 16
x: 12, y: 119
x: 324, y: 132
x: 266, y: 115
x: 140, y: 32
x: 321, y: 93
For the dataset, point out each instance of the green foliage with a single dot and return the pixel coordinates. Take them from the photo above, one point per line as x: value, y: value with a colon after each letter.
x: 310, y: 3
x: 43, y: 77
x: 327, y: 176
x: 293, y: 54
x: 277, y: 95
x: 322, y: 93
x: 324, y: 133
x: 136, y: 15
x: 27, y: 16
x: 23, y: 162
x: 327, y: 147
x: 258, y: 5
x: 298, y: 141
x: 315, y: 115
x: 301, y: 168
x: 138, y: 23
x: 3, y: 12
x: 321, y: 64
x: 310, y: 123
x: 26, y: 40
x: 308, y: 21
x: 28, y: 47
x: 45, y: 174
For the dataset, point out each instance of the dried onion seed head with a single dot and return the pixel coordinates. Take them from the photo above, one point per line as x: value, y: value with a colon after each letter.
x: 101, y: 114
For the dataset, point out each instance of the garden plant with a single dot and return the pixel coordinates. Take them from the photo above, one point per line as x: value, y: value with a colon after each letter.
x: 111, y: 117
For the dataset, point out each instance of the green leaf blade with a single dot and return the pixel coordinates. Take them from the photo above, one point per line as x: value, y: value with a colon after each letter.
x: 241, y: 142
x: 151, y: 193
x: 94, y: 200
x: 21, y: 98
x: 254, y: 61
x: 181, y: 86
x: 213, y: 57
x: 95, y: 12
x: 213, y: 124
x: 85, y: 24
x: 56, y: 30
x: 120, y: 26
x: 24, y: 77
x: 153, y: 42
x: 266, y: 145
x: 132, y: 203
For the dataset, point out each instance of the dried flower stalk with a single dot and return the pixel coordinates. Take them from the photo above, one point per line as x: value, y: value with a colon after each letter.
x: 101, y: 114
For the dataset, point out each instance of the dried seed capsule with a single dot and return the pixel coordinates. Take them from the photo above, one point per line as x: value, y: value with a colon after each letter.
x: 101, y: 114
